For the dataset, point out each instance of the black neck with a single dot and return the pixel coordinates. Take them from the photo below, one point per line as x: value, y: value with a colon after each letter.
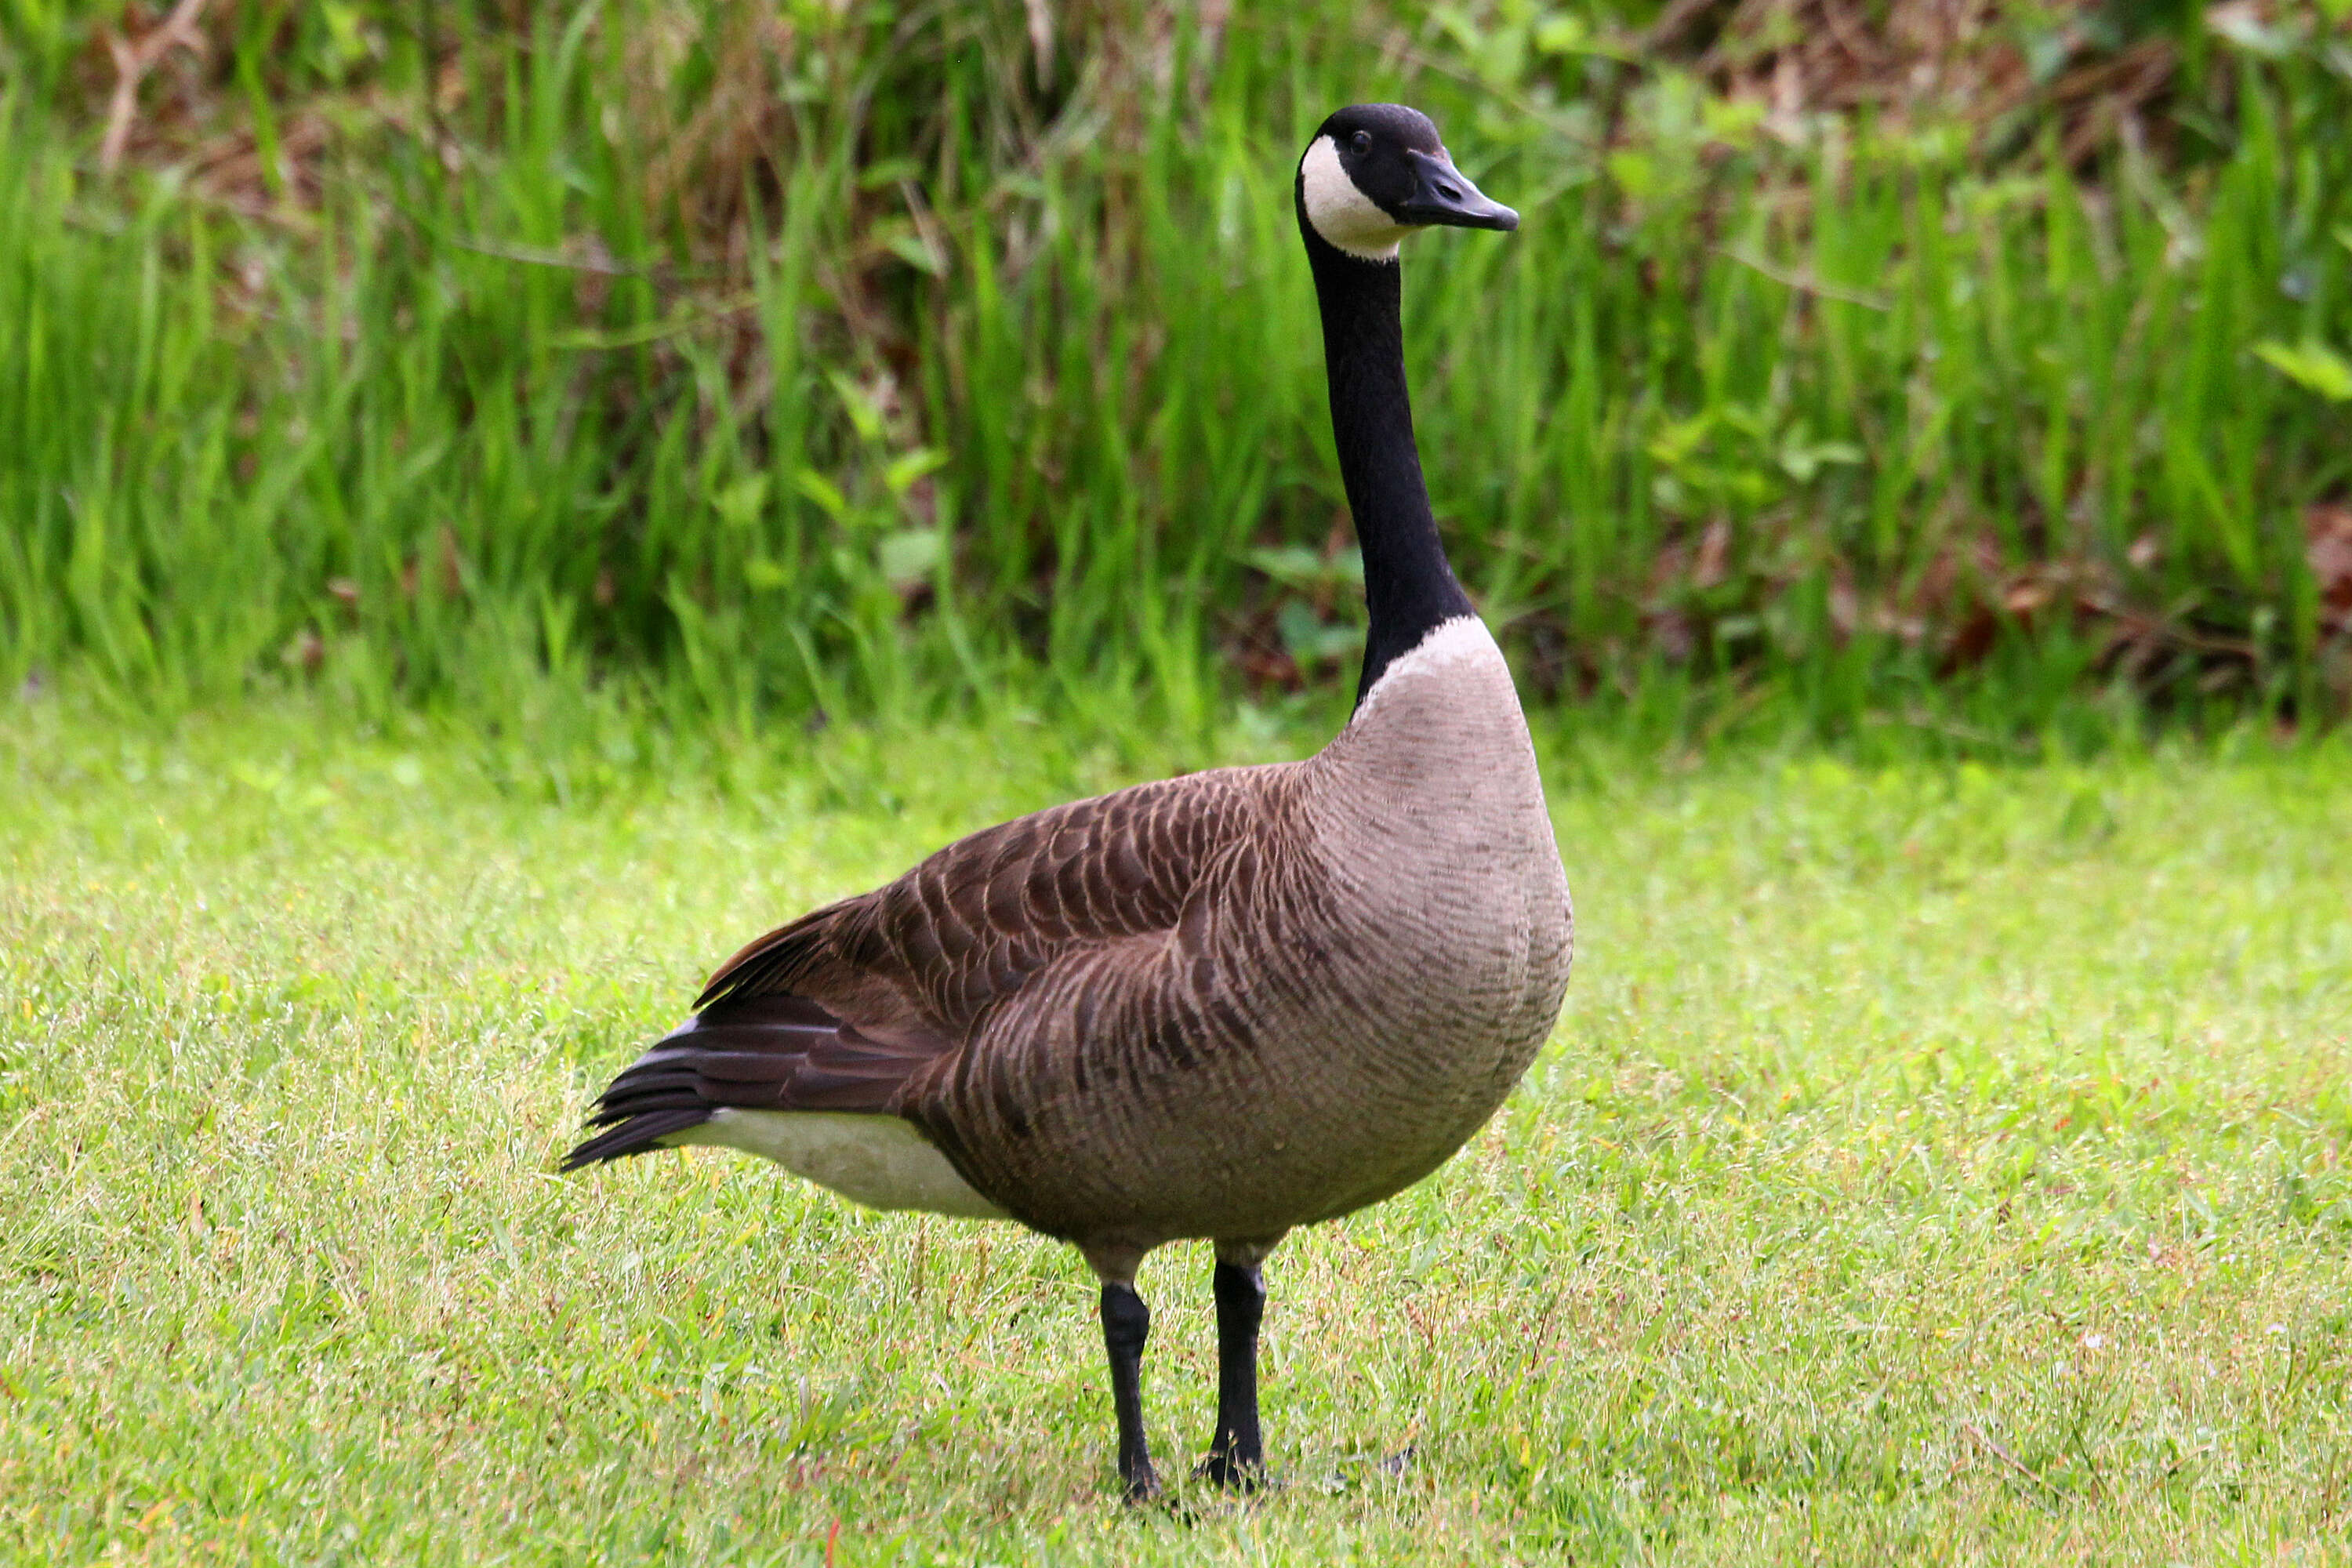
x: 1408, y: 586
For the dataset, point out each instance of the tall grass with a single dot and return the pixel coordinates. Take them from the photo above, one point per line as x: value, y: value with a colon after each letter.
x: 832, y: 360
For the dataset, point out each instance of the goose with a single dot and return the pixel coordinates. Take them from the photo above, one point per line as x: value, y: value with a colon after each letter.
x: 1216, y: 1007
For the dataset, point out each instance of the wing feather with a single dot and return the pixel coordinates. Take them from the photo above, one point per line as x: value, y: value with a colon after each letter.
x: 970, y: 924
x: 856, y: 1006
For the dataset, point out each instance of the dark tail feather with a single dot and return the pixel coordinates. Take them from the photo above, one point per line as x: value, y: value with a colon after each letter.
x: 740, y: 1052
x: 638, y: 1135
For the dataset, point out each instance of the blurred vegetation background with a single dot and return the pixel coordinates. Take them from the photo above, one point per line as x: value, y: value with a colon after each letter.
x: 1972, y: 365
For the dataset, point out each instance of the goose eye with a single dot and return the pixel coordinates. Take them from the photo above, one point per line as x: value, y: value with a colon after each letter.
x: 1361, y: 142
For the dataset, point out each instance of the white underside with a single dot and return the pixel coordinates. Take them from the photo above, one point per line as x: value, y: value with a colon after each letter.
x: 1465, y: 640
x: 881, y: 1162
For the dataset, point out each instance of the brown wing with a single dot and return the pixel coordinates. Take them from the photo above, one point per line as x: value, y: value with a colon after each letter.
x: 966, y: 927
x: 848, y: 1007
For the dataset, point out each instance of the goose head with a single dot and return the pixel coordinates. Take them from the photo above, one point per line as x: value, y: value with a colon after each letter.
x: 1378, y: 172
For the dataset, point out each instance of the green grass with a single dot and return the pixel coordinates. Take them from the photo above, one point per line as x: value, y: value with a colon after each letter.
x: 904, y: 375
x: 1934, y: 1162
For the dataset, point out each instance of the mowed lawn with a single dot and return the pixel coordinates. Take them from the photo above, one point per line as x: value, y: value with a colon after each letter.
x: 1941, y: 1164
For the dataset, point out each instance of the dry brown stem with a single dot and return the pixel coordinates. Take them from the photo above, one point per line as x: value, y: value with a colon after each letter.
x: 132, y: 62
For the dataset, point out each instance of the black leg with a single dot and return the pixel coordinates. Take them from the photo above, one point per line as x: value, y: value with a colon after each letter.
x: 1237, y: 1456
x: 1127, y: 1323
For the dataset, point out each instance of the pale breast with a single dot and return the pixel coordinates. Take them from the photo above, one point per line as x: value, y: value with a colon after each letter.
x: 1444, y: 953
x: 1429, y: 811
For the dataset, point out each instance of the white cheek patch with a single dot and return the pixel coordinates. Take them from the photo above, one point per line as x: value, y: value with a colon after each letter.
x: 1342, y: 213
